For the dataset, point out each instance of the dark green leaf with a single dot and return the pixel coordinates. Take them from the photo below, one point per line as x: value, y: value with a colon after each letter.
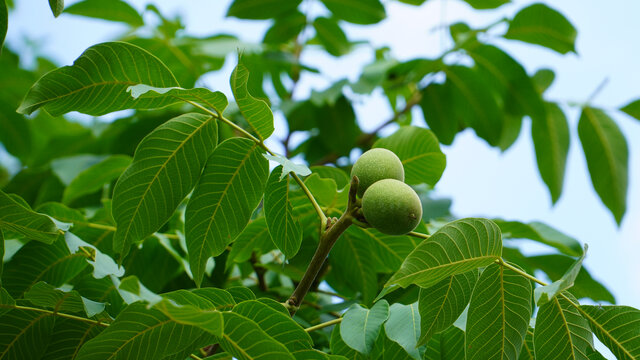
x: 331, y: 36
x: 16, y: 135
x: 389, y: 251
x: 544, y: 294
x: 229, y: 190
x: 499, y: 314
x: 56, y: 7
x: 338, y: 126
x: 6, y: 301
x: 285, y: 28
x: 542, y: 25
x: 438, y: 112
x: 209, y: 320
x: 254, y: 237
x: 19, y: 328
x: 420, y: 153
x: 387, y: 349
x: 360, y: 327
x: 362, y: 12
x: 93, y: 178
x: 486, y: 4
x: 632, y: 109
x: 458, y: 247
x: 69, y: 336
x: 4, y: 20
x: 102, y: 72
x: 607, y: 154
x: 352, y: 258
x: 165, y: 168
x: 261, y: 9
x: 527, y: 352
x: 550, y: 136
x: 542, y: 79
x: 114, y: 10
x: 46, y: 296
x: 561, y: 332
x: 284, y: 228
x: 255, y: 111
x: 241, y: 293
x: 15, y: 217
x: 452, y: 346
x: 542, y: 233
x: 441, y: 304
x: 617, y: 328
x: 212, y: 99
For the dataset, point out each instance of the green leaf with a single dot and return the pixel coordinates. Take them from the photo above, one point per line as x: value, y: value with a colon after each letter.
x: 132, y: 290
x: 114, y: 10
x: 544, y: 294
x: 285, y: 28
x: 92, y: 179
x: 632, y: 109
x: 245, y: 340
x: 353, y: 259
x: 102, y: 72
x: 541, y: 233
x: 139, y: 333
x: 527, y: 352
x: 206, y: 319
x: 419, y: 151
x: 36, y: 261
x: 541, y: 25
x: 329, y: 172
x: 499, y: 314
x: 360, y: 327
x: 261, y: 9
x: 486, y: 4
x: 284, y: 228
x: 561, y: 332
x: 403, y: 327
x: 212, y: 99
x: 362, y: 12
x: 222, y: 300
x: 441, y: 304
x: 617, y: 328
x: 550, y: 136
x: 4, y: 20
x: 19, y: 329
x: 331, y: 36
x: 607, y: 154
x: 241, y: 293
x: 389, y: 251
x: 56, y: 7
x: 229, y: 190
x: 255, y: 111
x: 69, y: 337
x: 456, y: 248
x: 46, y: 296
x: 339, y: 347
x: 15, y: 217
x: 254, y: 237
x: 1, y: 259
x: 17, y: 135
x: 452, y: 344
x: 276, y: 323
x: 288, y: 166
x: 438, y: 115
x: 165, y: 168
x: 103, y: 264
x: 6, y: 302
x: 542, y: 79
x: 387, y: 349
x: 474, y: 103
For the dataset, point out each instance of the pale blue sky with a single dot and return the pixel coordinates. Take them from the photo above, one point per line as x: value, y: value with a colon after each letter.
x: 481, y: 180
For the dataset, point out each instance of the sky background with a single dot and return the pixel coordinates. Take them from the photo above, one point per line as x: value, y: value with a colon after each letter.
x: 481, y: 180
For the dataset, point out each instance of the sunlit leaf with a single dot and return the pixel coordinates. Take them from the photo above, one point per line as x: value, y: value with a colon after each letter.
x: 112, y: 10
x: 419, y: 151
x: 56, y: 7
x: 561, y: 331
x: 16, y: 217
x: 261, y: 9
x: 617, y: 328
x: 607, y: 154
x: 93, y: 178
x: 356, y: 11
x: 255, y: 111
x: 288, y: 166
x: 632, y: 109
x: 284, y: 228
x: 102, y: 72
x: 441, y: 304
x: 165, y: 168
x: 456, y: 248
x: 360, y: 327
x: 486, y: 4
x: 499, y: 314
x: 103, y: 264
x: 542, y: 25
x: 230, y: 188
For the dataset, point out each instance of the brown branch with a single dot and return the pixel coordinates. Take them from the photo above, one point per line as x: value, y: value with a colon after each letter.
x: 260, y: 271
x: 327, y: 239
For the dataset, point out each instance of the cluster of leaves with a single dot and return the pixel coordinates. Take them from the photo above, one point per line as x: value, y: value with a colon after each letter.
x: 165, y: 235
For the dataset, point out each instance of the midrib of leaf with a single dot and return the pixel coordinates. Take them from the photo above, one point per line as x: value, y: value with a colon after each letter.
x: 417, y: 157
x: 136, y: 335
x: 383, y: 244
x: 31, y: 323
x: 592, y: 321
x: 416, y: 325
x: 58, y: 261
x: 537, y: 29
x: 360, y: 268
x: 441, y: 305
x: 566, y: 328
x: 85, y: 87
x: 464, y: 261
x: 81, y: 341
x: 160, y: 169
x: 224, y: 193
x: 607, y: 149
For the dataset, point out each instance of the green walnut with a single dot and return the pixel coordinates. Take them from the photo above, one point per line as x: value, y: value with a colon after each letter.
x: 392, y: 207
x: 375, y: 165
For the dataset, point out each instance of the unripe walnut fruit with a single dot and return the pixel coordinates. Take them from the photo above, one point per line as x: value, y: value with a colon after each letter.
x: 392, y: 207
x: 374, y: 165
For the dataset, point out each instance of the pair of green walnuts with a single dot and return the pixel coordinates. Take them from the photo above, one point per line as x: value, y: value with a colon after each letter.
x: 388, y: 204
